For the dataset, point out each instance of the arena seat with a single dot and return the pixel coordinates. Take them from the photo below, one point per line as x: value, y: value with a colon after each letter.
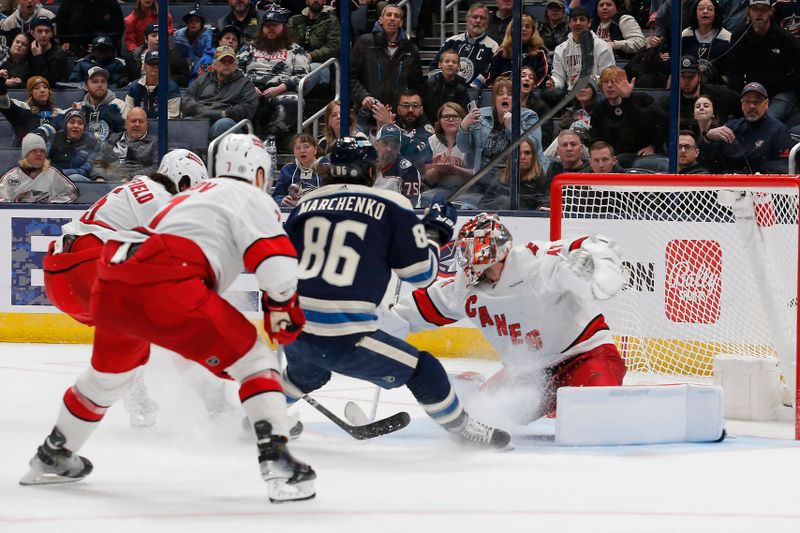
x: 9, y: 158
x: 655, y: 163
x: 6, y: 134
x: 66, y: 97
x: 188, y: 133
x: 90, y: 192
x: 537, y: 11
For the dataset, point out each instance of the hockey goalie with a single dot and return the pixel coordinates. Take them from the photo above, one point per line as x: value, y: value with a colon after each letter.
x: 538, y: 304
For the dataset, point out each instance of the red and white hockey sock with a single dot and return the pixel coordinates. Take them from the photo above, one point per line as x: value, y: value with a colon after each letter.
x: 262, y: 398
x: 78, y: 418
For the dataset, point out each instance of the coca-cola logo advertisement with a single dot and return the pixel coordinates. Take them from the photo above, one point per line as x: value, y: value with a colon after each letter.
x: 693, y: 284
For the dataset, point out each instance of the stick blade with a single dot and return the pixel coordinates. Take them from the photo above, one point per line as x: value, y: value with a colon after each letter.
x: 381, y: 427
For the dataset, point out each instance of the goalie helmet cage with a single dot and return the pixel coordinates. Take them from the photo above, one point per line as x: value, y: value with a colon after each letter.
x: 712, y: 268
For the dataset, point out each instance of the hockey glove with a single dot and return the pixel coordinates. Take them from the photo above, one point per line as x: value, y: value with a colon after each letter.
x: 439, y: 220
x: 283, y: 322
x: 598, y: 262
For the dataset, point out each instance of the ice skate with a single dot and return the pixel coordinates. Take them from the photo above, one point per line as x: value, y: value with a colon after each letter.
x: 287, y: 478
x: 295, y: 427
x: 53, y: 464
x: 477, y: 434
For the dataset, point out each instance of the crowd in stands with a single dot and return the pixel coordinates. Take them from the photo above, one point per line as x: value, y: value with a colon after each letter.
x: 434, y: 126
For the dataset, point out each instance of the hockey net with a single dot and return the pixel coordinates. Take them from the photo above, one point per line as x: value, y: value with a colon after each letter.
x: 712, y: 266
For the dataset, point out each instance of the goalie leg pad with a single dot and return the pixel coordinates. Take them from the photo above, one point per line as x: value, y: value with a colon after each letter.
x: 600, y: 416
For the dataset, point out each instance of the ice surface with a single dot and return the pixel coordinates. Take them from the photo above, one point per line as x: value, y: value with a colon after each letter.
x: 196, y: 474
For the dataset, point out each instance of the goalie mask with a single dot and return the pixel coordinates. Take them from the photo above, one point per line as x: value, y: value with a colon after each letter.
x: 243, y: 156
x: 180, y: 164
x: 483, y: 241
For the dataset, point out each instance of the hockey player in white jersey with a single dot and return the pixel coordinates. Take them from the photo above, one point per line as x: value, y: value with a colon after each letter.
x: 70, y: 266
x: 161, y: 284
x: 537, y: 304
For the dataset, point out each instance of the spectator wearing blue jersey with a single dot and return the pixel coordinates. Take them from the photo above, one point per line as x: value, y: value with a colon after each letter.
x: 105, y: 113
x: 194, y: 41
x: 352, y: 237
x: 396, y: 173
x: 707, y: 40
x: 300, y: 176
x: 474, y: 48
x: 486, y: 131
x: 144, y: 91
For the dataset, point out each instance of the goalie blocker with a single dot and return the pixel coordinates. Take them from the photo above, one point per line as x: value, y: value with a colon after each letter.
x: 657, y: 414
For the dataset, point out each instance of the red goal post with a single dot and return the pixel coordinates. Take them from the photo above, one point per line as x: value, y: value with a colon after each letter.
x: 711, y: 264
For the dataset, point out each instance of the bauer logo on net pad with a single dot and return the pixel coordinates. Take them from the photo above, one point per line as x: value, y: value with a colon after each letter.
x: 693, y: 283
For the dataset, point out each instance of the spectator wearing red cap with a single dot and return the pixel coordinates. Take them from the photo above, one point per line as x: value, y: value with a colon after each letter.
x: 48, y: 59
x: 39, y: 109
x: 35, y: 180
x: 755, y: 143
x: 144, y: 13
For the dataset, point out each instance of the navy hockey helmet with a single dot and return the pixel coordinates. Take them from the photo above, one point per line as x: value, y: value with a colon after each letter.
x: 352, y: 158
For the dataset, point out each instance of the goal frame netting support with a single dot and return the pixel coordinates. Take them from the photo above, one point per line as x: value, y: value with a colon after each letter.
x: 688, y: 182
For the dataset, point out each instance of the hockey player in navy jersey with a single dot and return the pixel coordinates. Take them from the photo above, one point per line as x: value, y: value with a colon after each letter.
x: 349, y: 236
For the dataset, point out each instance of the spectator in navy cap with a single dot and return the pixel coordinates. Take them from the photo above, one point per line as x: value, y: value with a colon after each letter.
x: 755, y: 143
x: 194, y: 41
x: 72, y: 149
x: 144, y: 91
x: 178, y: 66
x: 102, y: 56
x: 48, y: 59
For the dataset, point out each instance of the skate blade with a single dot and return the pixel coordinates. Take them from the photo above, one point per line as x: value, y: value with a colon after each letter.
x: 37, y: 477
x: 279, y: 491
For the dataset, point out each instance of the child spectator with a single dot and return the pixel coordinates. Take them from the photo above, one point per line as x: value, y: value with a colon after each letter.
x: 144, y: 14
x: 446, y: 85
x: 194, y: 41
x: 35, y: 180
x: 300, y: 176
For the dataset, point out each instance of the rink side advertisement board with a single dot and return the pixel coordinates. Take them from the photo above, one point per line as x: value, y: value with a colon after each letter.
x: 27, y: 316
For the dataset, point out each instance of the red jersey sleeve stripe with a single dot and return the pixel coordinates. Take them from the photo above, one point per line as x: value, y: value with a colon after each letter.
x: 263, y: 249
x: 598, y: 323
x: 82, y: 407
x: 428, y: 310
x: 574, y: 245
x: 259, y: 384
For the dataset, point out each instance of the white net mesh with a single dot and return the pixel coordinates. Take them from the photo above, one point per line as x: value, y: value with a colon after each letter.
x: 710, y: 271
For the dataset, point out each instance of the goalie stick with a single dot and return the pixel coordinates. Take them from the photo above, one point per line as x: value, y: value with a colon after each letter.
x: 587, y: 64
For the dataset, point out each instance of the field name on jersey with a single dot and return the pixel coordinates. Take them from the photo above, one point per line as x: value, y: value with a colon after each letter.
x: 532, y: 338
x: 361, y: 204
x: 140, y: 191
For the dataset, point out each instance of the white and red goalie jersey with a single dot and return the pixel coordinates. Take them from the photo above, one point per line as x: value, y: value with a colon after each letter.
x: 237, y: 226
x: 127, y: 206
x: 543, y: 310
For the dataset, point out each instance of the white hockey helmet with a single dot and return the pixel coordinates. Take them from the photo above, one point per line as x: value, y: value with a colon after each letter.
x: 179, y: 163
x: 483, y: 241
x: 241, y: 155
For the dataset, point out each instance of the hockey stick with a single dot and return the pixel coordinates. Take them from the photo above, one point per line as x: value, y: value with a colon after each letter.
x: 358, y: 431
x: 366, y: 431
x: 587, y: 64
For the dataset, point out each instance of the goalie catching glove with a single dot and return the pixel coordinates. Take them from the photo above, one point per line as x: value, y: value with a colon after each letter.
x: 283, y: 322
x: 439, y: 220
x: 597, y: 261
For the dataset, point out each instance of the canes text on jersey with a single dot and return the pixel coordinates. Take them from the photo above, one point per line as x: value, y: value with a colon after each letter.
x: 532, y: 338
